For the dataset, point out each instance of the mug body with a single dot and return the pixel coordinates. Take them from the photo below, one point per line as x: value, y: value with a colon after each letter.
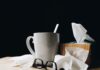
x: 46, y: 45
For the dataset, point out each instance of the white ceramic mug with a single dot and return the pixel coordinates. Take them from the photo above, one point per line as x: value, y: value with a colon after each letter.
x: 45, y: 45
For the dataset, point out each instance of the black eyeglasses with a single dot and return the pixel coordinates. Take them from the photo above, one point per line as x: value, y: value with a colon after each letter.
x: 42, y: 65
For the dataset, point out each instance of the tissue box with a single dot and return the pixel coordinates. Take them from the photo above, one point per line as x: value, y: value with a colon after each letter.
x: 85, y: 46
x: 80, y: 51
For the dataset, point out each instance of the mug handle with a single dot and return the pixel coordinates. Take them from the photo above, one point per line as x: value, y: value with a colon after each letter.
x: 28, y: 44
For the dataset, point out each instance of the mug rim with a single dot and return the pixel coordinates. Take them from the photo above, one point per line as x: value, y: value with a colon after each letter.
x: 44, y: 32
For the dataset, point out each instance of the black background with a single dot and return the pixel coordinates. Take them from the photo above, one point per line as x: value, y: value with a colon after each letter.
x: 21, y: 19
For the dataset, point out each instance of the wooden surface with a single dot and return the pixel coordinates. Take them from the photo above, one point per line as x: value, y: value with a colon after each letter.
x: 6, y: 64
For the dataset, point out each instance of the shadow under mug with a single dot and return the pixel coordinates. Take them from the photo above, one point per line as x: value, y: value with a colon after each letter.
x: 45, y: 45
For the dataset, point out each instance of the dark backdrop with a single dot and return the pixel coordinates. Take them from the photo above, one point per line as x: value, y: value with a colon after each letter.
x: 21, y: 19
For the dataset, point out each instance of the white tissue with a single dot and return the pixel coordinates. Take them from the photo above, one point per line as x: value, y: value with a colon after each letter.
x: 69, y: 62
x: 63, y: 62
x: 80, y: 33
x: 78, y: 65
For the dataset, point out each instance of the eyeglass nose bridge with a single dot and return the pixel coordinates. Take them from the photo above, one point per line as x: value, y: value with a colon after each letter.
x: 51, y: 62
x: 39, y: 66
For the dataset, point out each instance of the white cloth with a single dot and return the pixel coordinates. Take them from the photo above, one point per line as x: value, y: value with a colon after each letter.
x: 6, y: 62
x: 24, y: 61
x: 67, y: 62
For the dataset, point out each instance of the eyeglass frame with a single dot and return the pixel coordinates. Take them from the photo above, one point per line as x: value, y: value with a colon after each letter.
x: 43, y: 65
